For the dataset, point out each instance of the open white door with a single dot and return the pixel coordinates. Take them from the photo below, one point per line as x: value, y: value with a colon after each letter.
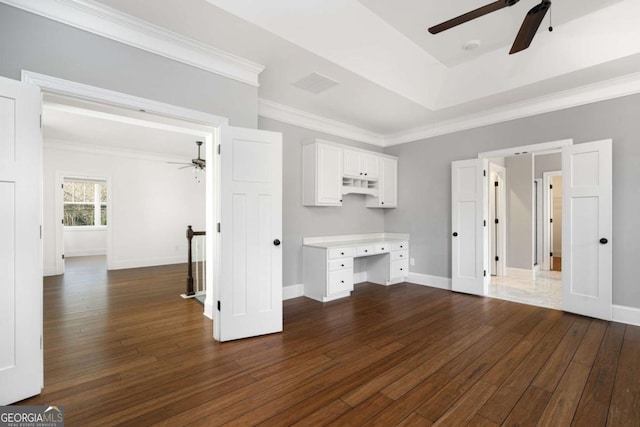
x: 250, y: 287
x: 21, y: 373
x: 469, y: 213
x: 586, y: 229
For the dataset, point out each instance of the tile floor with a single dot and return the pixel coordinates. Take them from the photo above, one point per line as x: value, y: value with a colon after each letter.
x: 545, y: 291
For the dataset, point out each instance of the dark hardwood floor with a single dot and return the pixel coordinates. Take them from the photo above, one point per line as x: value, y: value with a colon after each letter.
x: 122, y: 348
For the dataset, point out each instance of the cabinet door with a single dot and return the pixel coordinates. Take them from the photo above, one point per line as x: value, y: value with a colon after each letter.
x: 388, y: 183
x: 329, y: 178
x: 352, y: 164
x: 369, y: 165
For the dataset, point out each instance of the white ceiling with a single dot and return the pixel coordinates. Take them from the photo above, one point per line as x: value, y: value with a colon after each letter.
x: 92, y: 129
x: 394, y: 76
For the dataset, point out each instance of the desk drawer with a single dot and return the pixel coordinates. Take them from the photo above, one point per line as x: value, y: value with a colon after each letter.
x: 398, y: 246
x: 399, y: 268
x: 365, y: 250
x: 382, y: 248
x: 341, y: 252
x: 339, y: 264
x: 340, y: 281
x: 399, y: 255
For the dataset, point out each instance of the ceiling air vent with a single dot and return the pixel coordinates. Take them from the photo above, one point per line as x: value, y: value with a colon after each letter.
x: 315, y: 83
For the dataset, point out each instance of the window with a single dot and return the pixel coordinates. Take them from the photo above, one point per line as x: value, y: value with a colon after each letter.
x: 85, y: 202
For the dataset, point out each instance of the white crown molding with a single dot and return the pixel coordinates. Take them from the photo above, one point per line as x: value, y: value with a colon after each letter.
x: 115, y: 25
x: 96, y: 94
x: 101, y: 150
x: 601, y: 91
x: 293, y: 116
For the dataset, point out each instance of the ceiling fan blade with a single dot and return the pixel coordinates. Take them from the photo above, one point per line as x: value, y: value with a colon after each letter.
x: 178, y: 163
x: 184, y: 167
x: 481, y: 11
x: 530, y: 26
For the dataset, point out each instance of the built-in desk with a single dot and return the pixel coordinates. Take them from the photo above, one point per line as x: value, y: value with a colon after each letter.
x: 328, y: 262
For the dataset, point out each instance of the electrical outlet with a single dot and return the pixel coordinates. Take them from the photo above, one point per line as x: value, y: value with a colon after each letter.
x: 412, y: 261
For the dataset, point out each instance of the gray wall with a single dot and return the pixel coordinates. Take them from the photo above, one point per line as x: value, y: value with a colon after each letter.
x: 547, y: 163
x: 34, y: 43
x: 310, y: 221
x: 425, y: 181
x: 519, y: 191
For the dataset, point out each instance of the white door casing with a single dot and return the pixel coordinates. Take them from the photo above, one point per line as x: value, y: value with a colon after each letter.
x: 586, y: 219
x: 469, y: 212
x: 547, y: 224
x: 250, y: 286
x: 21, y: 360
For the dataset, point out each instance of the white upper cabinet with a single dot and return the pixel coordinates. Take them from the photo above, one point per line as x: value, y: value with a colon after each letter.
x: 360, y: 164
x: 321, y: 175
x: 332, y: 170
x: 388, y: 185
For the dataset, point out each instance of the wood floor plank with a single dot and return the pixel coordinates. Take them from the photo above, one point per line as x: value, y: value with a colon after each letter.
x: 121, y: 348
x: 594, y: 404
x: 564, y: 401
x: 625, y: 401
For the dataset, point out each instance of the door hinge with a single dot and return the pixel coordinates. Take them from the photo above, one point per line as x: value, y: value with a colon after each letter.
x: 496, y: 221
x: 218, y: 227
x: 485, y: 273
x: 41, y: 128
x: 219, y: 148
x: 497, y: 258
x: 62, y: 221
x: 550, y: 253
x: 484, y: 172
x: 62, y: 256
x: 495, y: 183
x: 550, y: 187
x: 484, y: 222
x: 218, y: 305
x: 61, y: 185
x: 40, y: 232
x: 550, y: 219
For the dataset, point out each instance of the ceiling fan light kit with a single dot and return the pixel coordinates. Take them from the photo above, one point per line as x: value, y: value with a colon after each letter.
x: 198, y: 164
x: 528, y: 29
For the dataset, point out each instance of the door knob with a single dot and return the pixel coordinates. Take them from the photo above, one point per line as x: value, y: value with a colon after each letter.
x: 604, y: 241
x: 276, y: 242
x: 455, y: 234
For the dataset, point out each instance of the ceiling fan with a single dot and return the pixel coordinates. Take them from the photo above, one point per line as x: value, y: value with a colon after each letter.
x: 199, y: 163
x: 527, y: 31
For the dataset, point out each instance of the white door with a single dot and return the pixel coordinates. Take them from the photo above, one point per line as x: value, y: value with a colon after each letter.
x: 469, y: 212
x: 389, y: 183
x: 351, y: 166
x: 329, y: 175
x: 250, y: 286
x: 21, y: 373
x: 586, y: 229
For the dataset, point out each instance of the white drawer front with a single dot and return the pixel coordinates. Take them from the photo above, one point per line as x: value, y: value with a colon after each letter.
x: 398, y: 246
x: 365, y: 250
x: 340, y: 281
x: 399, y: 255
x: 339, y: 264
x: 340, y: 252
x: 399, y: 268
x: 382, y: 248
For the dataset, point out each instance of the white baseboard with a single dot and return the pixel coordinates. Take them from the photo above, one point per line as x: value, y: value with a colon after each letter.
x: 85, y: 252
x: 145, y: 262
x: 292, y: 291
x: 429, y: 280
x: 521, y: 273
x: 49, y: 272
x: 624, y: 314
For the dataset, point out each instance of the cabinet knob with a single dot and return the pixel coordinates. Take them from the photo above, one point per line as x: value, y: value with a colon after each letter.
x: 365, y: 251
x: 341, y: 253
x: 400, y: 269
x: 401, y: 246
x: 455, y: 234
x: 604, y: 241
x: 400, y: 254
x: 382, y: 249
x: 276, y: 242
x: 341, y: 265
x: 341, y: 281
x: 382, y: 203
x: 365, y: 174
x: 340, y: 200
x: 360, y: 173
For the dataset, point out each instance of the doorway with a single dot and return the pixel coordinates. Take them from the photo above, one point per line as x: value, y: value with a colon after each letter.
x: 586, y: 223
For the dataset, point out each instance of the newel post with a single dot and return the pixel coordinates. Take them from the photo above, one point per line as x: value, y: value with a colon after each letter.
x: 189, y: 263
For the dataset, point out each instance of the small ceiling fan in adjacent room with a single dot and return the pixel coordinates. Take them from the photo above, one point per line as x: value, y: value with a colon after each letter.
x: 527, y: 32
x: 197, y: 164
